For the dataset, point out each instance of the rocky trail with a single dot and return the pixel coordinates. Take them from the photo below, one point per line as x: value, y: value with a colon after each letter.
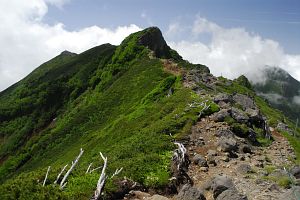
x: 226, y: 161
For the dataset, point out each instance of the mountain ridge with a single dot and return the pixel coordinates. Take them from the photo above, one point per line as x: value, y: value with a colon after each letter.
x: 280, y: 89
x: 130, y: 102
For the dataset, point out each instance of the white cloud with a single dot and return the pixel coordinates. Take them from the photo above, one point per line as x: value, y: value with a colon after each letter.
x: 58, y: 3
x: 26, y: 41
x: 233, y: 51
x: 296, y: 100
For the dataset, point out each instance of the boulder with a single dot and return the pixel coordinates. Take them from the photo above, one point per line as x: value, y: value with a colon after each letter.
x: 243, y: 100
x: 211, y: 157
x: 291, y: 194
x: 212, y: 152
x: 188, y: 192
x: 199, y: 160
x: 224, y: 132
x: 255, y: 117
x: 244, y: 168
x: 245, y: 148
x: 239, y: 115
x: 156, y: 197
x: 204, y: 169
x: 220, y: 116
x: 221, y: 183
x: 231, y: 194
x: 207, y: 185
x: 295, y: 171
x: 222, y: 97
x: 227, y: 144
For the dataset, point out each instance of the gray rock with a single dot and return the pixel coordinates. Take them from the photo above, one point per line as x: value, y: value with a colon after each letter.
x: 255, y: 116
x: 188, y: 192
x: 222, y: 97
x: 204, y: 169
x: 227, y: 144
x: 295, y: 171
x: 224, y: 132
x: 199, y: 160
x: 212, y: 152
x: 220, y: 116
x: 225, y: 158
x: 291, y: 194
x: 244, y: 168
x: 211, y: 160
x: 273, y: 187
x: 278, y: 173
x: 231, y: 194
x: 207, y: 185
x: 244, y: 101
x: 157, y: 197
x: 221, y: 183
x: 245, y: 148
x: 239, y: 115
x: 282, y: 126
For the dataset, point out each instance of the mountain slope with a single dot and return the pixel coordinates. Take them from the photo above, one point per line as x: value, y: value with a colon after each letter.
x: 281, y: 90
x: 105, y: 99
x: 129, y: 102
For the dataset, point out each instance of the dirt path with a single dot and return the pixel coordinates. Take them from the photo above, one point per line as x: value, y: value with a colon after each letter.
x: 274, y: 157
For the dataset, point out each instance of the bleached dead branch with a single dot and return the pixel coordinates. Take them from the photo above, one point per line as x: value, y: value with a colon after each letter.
x: 205, y: 107
x: 46, y: 176
x: 179, y: 154
x: 62, y: 183
x: 116, y: 172
x: 102, y: 179
x: 58, y: 176
x: 95, y: 169
x: 88, y: 169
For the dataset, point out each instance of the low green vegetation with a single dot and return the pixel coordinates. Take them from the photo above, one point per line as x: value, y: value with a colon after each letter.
x: 112, y: 100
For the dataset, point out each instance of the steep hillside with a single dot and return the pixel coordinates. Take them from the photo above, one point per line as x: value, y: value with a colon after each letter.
x: 281, y: 90
x: 132, y: 103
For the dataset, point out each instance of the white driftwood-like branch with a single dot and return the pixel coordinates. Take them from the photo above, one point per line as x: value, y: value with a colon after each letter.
x: 88, y: 169
x: 117, y: 172
x: 62, y: 187
x: 70, y: 170
x: 205, y: 107
x: 179, y: 153
x: 46, y: 176
x: 95, y: 169
x: 102, y: 179
x: 58, y: 176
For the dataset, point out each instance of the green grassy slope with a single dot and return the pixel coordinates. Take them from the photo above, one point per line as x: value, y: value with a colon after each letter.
x: 117, y: 100
x: 113, y: 101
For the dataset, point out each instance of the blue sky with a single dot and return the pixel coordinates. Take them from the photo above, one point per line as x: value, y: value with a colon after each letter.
x: 275, y: 19
x: 231, y: 37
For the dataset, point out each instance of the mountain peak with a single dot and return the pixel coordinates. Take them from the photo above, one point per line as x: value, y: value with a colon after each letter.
x: 67, y: 53
x: 153, y: 39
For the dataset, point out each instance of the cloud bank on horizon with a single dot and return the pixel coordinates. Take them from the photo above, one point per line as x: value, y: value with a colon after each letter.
x: 27, y: 41
x: 231, y: 52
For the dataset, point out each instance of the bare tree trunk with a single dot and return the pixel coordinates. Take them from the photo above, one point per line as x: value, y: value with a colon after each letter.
x: 58, y: 176
x: 102, y: 179
x: 179, y: 154
x: 46, y: 176
x: 62, y: 183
